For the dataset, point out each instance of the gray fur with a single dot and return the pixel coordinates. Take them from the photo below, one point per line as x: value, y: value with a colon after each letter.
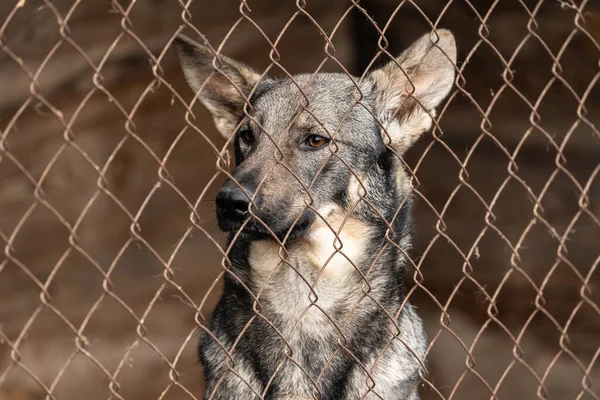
x: 344, y: 339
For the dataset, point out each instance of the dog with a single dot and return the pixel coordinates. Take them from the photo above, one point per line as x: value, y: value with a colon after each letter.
x: 318, y: 213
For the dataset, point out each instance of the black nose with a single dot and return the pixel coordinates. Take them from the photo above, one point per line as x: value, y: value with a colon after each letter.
x: 233, y: 203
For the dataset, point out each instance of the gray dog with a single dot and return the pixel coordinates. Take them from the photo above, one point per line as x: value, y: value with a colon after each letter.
x: 318, y: 210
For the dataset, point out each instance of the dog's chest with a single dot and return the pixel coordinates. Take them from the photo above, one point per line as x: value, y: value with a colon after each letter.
x: 313, y: 282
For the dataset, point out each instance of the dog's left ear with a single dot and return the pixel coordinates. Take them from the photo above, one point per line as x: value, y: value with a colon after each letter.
x: 407, y: 90
x: 227, y: 88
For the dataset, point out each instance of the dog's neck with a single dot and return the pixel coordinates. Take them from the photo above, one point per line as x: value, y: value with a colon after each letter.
x: 331, y: 249
x: 328, y: 265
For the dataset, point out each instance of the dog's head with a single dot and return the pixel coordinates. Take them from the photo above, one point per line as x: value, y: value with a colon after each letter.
x: 302, y: 145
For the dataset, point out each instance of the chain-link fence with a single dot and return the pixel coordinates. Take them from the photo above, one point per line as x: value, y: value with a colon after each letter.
x: 109, y: 168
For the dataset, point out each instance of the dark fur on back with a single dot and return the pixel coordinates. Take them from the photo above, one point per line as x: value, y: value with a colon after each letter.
x: 314, y: 305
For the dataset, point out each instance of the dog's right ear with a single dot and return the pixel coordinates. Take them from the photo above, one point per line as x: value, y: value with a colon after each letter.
x: 228, y: 85
x: 407, y: 90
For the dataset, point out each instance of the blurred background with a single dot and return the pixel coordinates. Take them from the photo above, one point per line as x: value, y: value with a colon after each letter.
x: 111, y: 250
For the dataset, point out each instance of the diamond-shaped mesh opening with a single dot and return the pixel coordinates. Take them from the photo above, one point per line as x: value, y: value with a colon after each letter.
x: 114, y: 260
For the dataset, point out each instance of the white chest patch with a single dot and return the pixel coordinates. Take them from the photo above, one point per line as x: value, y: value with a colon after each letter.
x: 332, y: 247
x: 326, y: 259
x: 337, y: 251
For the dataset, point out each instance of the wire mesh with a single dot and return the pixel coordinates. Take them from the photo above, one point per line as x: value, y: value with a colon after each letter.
x: 113, y: 261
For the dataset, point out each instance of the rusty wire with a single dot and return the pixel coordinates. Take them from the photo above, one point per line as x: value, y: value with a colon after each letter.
x: 14, y: 339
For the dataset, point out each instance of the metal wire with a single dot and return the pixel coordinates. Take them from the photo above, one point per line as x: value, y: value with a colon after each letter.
x: 504, y: 265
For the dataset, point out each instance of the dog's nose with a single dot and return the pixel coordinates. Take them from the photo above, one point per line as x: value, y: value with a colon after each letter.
x: 232, y: 202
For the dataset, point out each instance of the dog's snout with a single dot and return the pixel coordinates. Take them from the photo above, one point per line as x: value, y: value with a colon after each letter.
x: 233, y: 203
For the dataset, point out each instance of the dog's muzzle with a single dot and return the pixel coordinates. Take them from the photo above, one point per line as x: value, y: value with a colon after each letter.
x: 233, y: 205
x: 234, y: 202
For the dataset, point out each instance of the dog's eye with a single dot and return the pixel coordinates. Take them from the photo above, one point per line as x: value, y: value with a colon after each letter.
x: 316, y: 141
x: 247, y: 136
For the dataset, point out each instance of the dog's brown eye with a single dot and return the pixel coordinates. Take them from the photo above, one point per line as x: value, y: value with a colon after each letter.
x: 316, y: 141
x: 248, y: 136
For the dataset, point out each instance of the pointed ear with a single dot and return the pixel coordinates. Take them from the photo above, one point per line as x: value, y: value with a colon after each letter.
x: 227, y: 88
x: 407, y: 90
